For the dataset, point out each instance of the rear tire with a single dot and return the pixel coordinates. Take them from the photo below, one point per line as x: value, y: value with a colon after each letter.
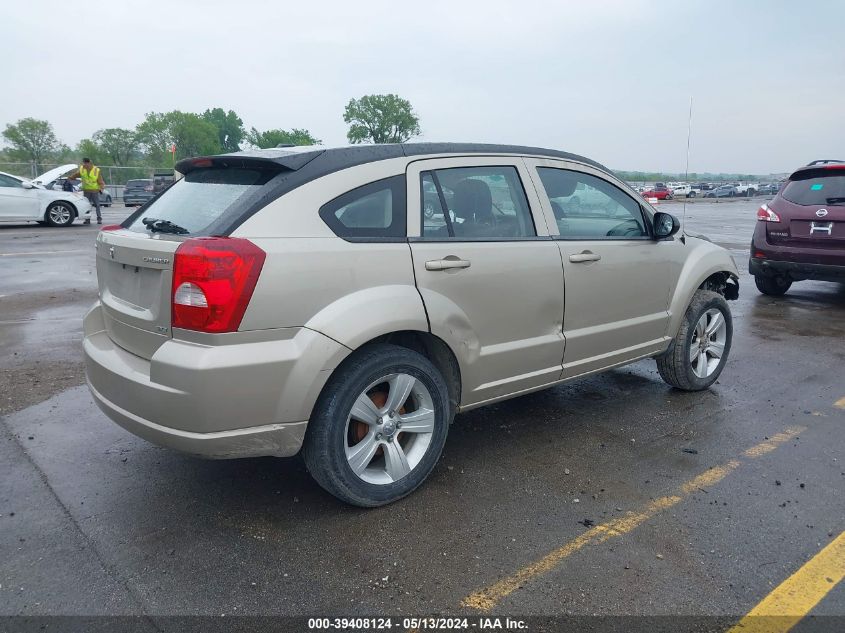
x: 359, y: 445
x: 59, y: 214
x: 773, y: 286
x: 700, y: 349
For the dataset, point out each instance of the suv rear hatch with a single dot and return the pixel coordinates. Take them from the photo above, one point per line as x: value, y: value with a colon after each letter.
x: 135, y: 260
x: 812, y: 209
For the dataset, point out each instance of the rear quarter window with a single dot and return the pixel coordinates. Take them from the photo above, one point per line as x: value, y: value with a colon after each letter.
x: 816, y: 189
x: 373, y: 211
x: 205, y: 199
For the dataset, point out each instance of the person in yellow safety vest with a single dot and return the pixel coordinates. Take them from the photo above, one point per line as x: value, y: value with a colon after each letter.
x: 92, y: 185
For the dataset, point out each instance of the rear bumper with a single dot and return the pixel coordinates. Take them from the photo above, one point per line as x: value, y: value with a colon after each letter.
x: 795, y: 270
x: 219, y: 401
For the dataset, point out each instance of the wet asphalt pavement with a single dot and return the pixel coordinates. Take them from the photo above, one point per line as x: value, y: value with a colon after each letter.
x: 96, y: 521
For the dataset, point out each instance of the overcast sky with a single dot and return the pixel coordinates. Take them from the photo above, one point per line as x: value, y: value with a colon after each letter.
x: 608, y: 79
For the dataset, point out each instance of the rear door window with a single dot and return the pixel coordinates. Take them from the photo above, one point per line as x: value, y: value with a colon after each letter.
x: 820, y: 187
x: 480, y: 203
x: 204, y: 198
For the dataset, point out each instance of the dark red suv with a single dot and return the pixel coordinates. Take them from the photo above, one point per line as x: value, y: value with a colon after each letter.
x: 801, y: 232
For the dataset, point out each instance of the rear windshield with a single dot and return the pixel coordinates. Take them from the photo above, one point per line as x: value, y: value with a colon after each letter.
x: 821, y: 187
x: 138, y: 183
x: 203, y: 198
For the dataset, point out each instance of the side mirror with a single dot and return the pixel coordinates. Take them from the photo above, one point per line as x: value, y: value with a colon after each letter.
x: 27, y: 185
x: 665, y: 225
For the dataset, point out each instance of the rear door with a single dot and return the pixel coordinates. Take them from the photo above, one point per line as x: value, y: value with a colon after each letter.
x: 488, y: 272
x: 617, y: 278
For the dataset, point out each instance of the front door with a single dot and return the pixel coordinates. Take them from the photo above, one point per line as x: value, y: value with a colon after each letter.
x: 488, y: 272
x: 617, y: 277
x: 17, y: 202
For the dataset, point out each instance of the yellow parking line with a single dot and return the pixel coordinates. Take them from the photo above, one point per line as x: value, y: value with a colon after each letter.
x: 796, y: 596
x: 840, y: 404
x: 771, y: 444
x: 487, y: 598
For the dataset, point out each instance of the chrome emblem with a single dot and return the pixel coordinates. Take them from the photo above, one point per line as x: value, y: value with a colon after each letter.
x: 111, y: 251
x: 821, y: 228
x: 156, y: 260
x: 821, y: 213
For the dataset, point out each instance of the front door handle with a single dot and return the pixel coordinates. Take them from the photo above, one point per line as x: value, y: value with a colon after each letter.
x: 586, y: 256
x: 447, y: 263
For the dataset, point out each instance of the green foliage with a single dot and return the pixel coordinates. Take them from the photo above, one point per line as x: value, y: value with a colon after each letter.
x: 118, y: 144
x: 274, y: 138
x: 230, y: 128
x: 87, y: 148
x: 192, y: 135
x: 381, y: 119
x: 31, y: 140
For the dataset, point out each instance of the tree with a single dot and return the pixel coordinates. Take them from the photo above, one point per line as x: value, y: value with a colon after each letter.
x: 31, y: 140
x: 274, y: 138
x: 88, y: 148
x: 154, y: 137
x: 380, y: 119
x: 118, y: 143
x: 230, y: 128
x: 192, y: 135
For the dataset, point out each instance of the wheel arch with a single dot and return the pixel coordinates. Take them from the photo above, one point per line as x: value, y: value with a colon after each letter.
x: 709, y: 267
x: 423, y: 342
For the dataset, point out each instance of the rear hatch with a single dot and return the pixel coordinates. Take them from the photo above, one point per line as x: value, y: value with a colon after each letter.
x: 135, y: 260
x: 812, y: 210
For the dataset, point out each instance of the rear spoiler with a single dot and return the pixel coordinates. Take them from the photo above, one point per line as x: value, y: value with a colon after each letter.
x: 817, y: 171
x: 276, y: 159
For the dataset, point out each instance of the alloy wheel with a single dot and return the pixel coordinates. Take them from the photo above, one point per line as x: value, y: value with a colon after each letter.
x: 59, y: 214
x: 708, y: 343
x: 389, y: 429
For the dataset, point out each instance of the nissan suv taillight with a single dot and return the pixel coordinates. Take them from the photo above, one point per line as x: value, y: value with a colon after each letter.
x: 766, y: 214
x: 213, y: 281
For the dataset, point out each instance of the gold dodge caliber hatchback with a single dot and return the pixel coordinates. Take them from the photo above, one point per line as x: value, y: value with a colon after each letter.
x: 348, y: 302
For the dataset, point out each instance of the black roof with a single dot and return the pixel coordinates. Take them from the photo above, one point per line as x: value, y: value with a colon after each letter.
x: 333, y: 159
x: 300, y: 165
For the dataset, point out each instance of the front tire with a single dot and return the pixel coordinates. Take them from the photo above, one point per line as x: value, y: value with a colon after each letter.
x: 379, y: 426
x: 700, y: 349
x: 59, y: 214
x: 773, y: 286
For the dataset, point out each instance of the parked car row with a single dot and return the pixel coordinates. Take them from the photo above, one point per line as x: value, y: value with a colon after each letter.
x: 668, y: 191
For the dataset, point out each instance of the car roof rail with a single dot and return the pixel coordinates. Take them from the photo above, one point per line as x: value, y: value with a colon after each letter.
x: 825, y: 161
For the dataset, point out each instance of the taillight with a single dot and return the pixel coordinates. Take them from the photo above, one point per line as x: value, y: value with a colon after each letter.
x: 765, y: 214
x: 111, y: 227
x: 213, y: 281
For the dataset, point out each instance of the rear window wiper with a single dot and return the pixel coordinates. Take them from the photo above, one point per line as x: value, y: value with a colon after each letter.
x: 835, y: 199
x: 164, y: 226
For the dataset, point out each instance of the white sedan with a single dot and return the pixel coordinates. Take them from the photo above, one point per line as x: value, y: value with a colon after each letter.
x: 28, y: 201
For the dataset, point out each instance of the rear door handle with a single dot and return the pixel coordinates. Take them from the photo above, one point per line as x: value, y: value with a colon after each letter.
x: 446, y: 264
x: 586, y: 256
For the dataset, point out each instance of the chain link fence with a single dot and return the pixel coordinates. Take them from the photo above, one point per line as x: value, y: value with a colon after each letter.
x: 115, y: 176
